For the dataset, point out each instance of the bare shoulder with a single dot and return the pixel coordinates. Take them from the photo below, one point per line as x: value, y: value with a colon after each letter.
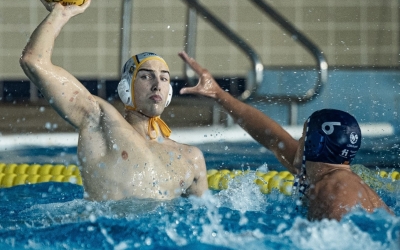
x: 192, y: 154
x: 344, y: 180
x: 195, y: 159
x: 350, y: 190
x: 188, y: 150
x: 338, y: 192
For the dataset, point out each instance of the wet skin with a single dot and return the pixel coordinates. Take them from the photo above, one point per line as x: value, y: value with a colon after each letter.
x: 335, y: 189
x: 118, y: 159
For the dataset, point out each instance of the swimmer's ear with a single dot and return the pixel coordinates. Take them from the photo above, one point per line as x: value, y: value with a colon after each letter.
x: 169, y: 96
x: 124, y: 92
x: 313, y: 145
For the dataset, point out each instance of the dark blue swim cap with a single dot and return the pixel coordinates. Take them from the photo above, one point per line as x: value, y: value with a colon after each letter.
x: 332, y: 136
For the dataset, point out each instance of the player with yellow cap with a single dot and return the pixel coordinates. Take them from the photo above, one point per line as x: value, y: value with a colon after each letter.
x: 126, y: 88
x: 125, y: 155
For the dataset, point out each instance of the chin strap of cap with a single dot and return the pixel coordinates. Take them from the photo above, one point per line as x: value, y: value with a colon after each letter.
x: 301, y: 184
x: 153, y: 122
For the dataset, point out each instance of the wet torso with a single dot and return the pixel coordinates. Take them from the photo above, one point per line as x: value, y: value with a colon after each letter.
x: 117, y: 162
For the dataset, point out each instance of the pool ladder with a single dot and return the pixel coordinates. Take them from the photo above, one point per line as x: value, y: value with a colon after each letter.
x: 256, y: 79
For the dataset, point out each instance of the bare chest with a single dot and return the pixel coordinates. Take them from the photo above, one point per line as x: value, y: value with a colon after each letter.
x: 127, y: 162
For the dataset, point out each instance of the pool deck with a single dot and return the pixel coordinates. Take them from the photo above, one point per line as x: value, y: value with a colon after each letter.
x: 190, y: 119
x: 39, y: 117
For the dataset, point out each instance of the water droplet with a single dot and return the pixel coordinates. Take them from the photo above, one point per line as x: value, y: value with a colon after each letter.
x: 92, y: 218
x: 148, y: 241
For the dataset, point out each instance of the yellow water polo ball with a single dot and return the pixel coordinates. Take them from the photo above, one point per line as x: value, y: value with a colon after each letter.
x: 67, y: 2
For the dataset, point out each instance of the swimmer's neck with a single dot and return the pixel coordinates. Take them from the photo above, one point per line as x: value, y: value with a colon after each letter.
x: 139, y: 122
x: 317, y: 170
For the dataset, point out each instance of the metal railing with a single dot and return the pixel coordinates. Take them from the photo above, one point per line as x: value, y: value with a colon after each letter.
x: 308, y: 44
x: 253, y: 84
x: 257, y: 66
x: 318, y: 55
x: 126, y: 21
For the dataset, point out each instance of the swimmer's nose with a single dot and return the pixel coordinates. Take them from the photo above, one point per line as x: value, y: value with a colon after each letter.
x: 156, y: 85
x: 155, y: 88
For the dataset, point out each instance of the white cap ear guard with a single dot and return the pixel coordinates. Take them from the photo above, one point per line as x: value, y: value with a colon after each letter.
x: 124, y: 92
x: 124, y: 86
x: 169, y: 96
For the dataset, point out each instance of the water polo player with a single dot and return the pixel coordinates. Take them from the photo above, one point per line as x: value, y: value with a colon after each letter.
x: 330, y: 141
x: 121, y: 156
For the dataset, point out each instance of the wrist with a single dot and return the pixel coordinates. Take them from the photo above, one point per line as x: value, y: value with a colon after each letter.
x: 59, y: 16
x: 221, y: 95
x: 56, y: 21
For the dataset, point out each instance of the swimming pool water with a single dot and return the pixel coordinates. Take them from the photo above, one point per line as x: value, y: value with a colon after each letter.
x: 55, y: 215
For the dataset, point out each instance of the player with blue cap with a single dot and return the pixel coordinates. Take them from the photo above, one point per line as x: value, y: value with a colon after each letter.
x: 320, y: 159
x: 333, y: 136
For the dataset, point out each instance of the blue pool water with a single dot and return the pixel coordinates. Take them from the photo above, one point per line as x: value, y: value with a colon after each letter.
x: 55, y: 216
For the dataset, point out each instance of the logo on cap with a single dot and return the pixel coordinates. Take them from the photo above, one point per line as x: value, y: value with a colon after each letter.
x: 353, y: 138
x: 328, y: 128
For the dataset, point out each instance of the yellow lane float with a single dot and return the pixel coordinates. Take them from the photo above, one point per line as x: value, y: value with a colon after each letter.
x: 283, y: 180
x: 267, y: 181
x: 12, y: 174
x: 377, y: 179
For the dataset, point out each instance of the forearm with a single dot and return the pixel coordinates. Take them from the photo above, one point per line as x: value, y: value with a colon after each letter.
x: 38, y: 51
x: 261, y: 127
x: 64, y: 92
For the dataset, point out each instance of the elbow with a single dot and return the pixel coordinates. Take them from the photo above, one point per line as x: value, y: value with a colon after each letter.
x: 25, y: 61
x: 30, y: 65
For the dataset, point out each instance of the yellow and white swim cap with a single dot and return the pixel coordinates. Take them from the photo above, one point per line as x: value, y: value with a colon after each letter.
x: 126, y: 88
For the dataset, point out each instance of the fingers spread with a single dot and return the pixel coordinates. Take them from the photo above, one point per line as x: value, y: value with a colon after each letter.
x: 192, y: 63
x: 187, y: 90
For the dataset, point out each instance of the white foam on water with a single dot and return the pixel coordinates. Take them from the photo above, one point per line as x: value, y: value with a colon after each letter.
x: 242, y: 194
x: 214, y: 233
x: 330, y: 234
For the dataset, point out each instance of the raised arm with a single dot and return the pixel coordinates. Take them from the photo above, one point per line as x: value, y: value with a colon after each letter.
x: 261, y: 127
x: 64, y: 92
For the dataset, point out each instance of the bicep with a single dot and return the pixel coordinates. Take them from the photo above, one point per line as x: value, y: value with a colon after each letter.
x: 285, y: 149
x: 66, y: 95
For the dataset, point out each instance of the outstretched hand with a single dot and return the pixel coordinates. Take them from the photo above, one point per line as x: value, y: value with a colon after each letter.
x: 72, y: 9
x: 207, y: 86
